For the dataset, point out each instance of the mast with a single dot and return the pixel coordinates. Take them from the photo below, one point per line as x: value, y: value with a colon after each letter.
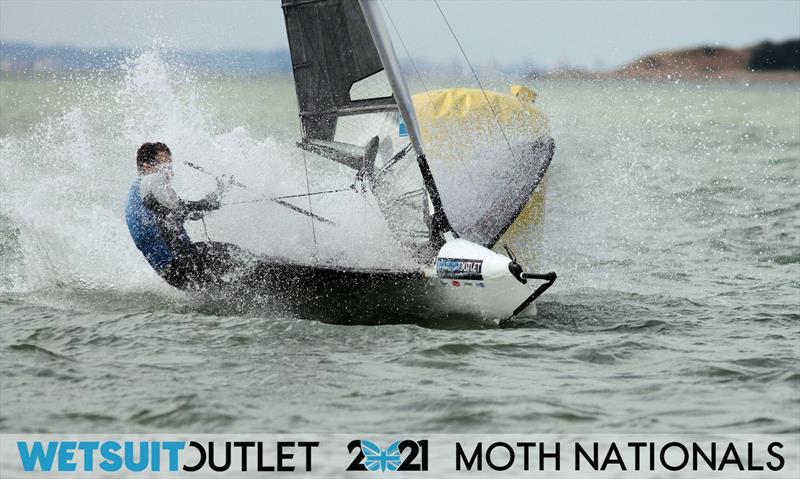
x: 383, y: 43
x: 354, y: 103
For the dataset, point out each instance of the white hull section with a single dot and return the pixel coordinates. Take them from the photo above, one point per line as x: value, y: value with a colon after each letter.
x: 466, y: 280
x: 474, y: 280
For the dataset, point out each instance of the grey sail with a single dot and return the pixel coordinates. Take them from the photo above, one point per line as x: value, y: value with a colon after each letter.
x: 355, y: 110
x: 331, y: 49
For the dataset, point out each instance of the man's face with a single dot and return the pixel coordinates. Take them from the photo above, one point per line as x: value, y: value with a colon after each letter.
x: 164, y: 160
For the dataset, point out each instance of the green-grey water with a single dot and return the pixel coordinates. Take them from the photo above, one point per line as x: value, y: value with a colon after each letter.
x: 672, y: 219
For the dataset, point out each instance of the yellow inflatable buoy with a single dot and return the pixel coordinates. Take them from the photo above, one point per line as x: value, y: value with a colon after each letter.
x: 478, y: 131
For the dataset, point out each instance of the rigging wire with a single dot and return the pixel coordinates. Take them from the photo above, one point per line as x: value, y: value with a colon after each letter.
x: 299, y: 195
x: 448, y: 132
x: 310, y: 210
x: 205, y: 230
x: 475, y: 74
x: 364, y: 168
x: 414, y: 66
x: 305, y: 161
x: 277, y: 200
x: 339, y: 190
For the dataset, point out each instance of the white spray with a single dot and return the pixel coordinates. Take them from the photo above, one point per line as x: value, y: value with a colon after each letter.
x: 64, y: 185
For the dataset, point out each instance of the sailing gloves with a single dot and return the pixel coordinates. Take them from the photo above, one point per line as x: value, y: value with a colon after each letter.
x: 224, y: 184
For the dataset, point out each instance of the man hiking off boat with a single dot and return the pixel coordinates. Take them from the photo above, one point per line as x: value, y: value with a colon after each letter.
x: 155, y: 216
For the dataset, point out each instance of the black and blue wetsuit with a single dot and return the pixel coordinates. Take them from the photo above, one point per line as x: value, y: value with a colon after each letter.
x: 155, y: 218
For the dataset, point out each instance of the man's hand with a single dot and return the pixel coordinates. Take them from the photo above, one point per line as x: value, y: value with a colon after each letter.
x: 213, y: 201
x: 224, y: 184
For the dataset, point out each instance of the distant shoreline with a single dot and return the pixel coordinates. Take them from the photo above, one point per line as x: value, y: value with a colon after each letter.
x: 771, y: 62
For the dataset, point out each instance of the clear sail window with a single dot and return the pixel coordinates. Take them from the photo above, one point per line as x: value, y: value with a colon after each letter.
x: 373, y: 86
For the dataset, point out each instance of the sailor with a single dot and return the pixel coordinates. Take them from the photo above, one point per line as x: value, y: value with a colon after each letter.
x: 155, y: 216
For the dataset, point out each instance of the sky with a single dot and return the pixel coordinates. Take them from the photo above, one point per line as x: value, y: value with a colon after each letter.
x: 589, y: 34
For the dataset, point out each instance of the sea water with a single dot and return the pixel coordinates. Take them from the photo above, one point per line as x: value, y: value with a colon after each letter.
x: 672, y: 219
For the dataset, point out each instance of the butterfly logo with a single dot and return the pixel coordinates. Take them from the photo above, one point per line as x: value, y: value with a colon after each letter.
x: 377, y: 459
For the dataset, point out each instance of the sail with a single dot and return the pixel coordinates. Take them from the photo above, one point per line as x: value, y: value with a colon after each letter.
x: 355, y: 110
x: 490, y: 152
x: 331, y: 49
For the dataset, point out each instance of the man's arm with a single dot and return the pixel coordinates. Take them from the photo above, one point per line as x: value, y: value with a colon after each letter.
x: 212, y: 201
x: 158, y: 187
x: 209, y: 203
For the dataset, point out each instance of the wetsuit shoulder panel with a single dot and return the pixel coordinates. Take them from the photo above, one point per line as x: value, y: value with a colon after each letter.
x: 144, y: 230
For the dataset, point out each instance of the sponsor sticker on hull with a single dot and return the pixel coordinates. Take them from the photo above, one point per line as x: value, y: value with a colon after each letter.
x: 459, y: 268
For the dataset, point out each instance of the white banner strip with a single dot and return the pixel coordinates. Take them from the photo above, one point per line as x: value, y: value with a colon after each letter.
x: 399, y: 455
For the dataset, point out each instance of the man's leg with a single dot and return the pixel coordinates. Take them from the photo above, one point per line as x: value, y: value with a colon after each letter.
x: 217, y: 260
x: 178, y: 273
x: 203, y: 264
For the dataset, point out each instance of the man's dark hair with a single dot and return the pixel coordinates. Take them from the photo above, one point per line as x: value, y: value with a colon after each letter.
x: 146, y: 155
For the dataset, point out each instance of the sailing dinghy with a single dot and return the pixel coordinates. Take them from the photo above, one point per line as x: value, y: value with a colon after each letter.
x: 355, y: 109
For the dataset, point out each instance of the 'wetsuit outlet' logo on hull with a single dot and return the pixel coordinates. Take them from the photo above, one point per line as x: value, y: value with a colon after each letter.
x: 459, y: 268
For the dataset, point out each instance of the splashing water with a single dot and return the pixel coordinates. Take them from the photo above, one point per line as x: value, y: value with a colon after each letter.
x: 65, y: 181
